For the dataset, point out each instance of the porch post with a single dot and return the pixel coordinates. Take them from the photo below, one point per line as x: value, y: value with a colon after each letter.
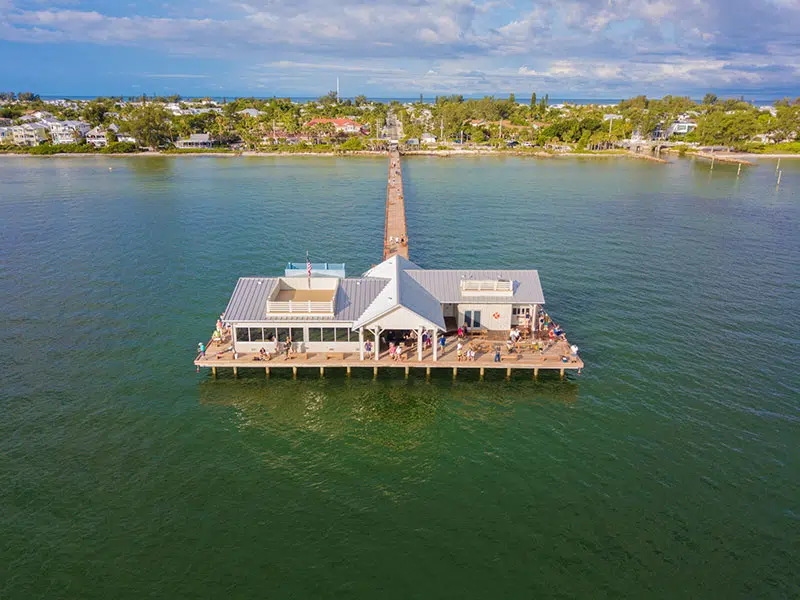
x: 419, y: 344
x: 361, y: 342
x: 376, y: 333
x: 533, y: 320
x: 435, y: 344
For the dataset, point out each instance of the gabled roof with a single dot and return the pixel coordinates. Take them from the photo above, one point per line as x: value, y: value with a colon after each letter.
x: 401, y: 291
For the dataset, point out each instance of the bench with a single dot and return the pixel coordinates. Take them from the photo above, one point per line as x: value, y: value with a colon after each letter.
x: 336, y: 355
x: 303, y: 355
x: 478, y: 332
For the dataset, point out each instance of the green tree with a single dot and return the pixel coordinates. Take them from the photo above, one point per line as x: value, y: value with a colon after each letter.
x: 533, y: 100
x: 710, y: 99
x: 94, y: 112
x: 149, y: 125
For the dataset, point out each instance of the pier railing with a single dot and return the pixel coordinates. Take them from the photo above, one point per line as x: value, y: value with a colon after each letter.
x: 297, y: 307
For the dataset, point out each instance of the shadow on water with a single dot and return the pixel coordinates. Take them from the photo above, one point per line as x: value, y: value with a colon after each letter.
x: 391, y: 410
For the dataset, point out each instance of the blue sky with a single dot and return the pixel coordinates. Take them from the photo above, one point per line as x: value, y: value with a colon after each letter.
x: 573, y: 48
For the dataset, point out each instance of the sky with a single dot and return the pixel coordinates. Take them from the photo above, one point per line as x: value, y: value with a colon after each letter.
x: 566, y: 48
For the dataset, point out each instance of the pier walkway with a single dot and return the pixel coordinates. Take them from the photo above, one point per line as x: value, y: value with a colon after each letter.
x: 395, y: 238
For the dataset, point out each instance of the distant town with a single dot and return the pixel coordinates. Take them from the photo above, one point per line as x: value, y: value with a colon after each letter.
x: 31, y: 125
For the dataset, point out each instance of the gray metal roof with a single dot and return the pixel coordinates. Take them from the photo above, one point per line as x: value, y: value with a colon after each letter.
x: 248, y: 302
x: 249, y: 299
x: 445, y: 285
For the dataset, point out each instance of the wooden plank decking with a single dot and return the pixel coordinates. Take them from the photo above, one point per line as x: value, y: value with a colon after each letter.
x: 549, y: 359
x: 395, y: 238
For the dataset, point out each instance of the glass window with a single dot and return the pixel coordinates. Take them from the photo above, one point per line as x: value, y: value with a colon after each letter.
x: 328, y: 334
x: 297, y: 334
x: 314, y: 334
x: 269, y: 334
x: 256, y: 334
x: 476, y: 318
x: 283, y: 334
x: 368, y: 336
x: 242, y: 334
x: 341, y: 334
x: 468, y: 318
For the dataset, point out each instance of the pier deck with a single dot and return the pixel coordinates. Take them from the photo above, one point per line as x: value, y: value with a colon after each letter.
x: 549, y: 359
x: 395, y: 239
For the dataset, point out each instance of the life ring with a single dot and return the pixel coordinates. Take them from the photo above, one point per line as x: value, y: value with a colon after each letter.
x: 496, y: 315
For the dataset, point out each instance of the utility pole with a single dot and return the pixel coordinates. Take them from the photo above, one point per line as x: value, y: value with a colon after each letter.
x: 337, y: 89
x: 441, y: 129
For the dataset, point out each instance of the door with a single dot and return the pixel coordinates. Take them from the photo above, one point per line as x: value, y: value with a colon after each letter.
x: 472, y: 318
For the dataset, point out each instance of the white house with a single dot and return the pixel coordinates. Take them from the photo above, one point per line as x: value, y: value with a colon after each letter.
x: 250, y: 112
x: 195, y: 140
x: 98, y: 137
x: 29, y: 134
x: 330, y: 312
x: 6, y: 136
x: 68, y: 132
x: 427, y: 138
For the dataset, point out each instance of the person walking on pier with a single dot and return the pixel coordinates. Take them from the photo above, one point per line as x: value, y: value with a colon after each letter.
x: 442, y: 342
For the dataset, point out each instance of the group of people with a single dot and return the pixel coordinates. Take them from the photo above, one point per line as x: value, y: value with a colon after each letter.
x: 467, y: 353
x: 395, y: 351
x: 286, y: 348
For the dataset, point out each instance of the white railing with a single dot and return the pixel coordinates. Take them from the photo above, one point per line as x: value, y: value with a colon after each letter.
x: 293, y: 307
x: 470, y: 285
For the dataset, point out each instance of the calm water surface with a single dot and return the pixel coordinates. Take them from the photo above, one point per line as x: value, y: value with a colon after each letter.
x: 669, y: 469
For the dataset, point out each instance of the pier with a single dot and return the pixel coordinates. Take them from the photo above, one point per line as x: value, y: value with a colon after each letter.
x: 396, y: 315
x: 395, y: 237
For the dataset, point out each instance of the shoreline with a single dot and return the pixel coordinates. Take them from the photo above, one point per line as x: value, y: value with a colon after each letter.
x: 382, y: 153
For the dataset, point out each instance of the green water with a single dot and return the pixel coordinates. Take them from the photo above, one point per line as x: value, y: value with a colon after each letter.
x: 669, y: 469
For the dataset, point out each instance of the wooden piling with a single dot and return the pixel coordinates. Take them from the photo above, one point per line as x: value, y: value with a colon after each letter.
x: 214, y: 372
x: 508, y: 373
x: 266, y: 372
x: 455, y: 372
x: 482, y: 372
x: 562, y: 373
x: 536, y: 372
x: 374, y: 371
x: 427, y: 371
x: 348, y: 370
x: 407, y: 369
x: 235, y: 371
x: 294, y: 372
x: 322, y: 371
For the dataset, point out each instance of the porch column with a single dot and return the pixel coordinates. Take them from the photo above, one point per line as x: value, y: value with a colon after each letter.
x: 435, y: 344
x: 419, y: 344
x: 376, y: 333
x: 533, y: 317
x: 361, y: 342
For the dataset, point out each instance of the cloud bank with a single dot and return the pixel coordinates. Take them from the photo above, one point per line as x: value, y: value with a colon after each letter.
x: 589, y: 48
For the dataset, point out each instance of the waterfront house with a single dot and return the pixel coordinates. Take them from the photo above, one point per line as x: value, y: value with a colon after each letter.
x: 427, y: 138
x: 329, y: 312
x: 29, y: 134
x: 195, y: 140
x: 250, y: 112
x: 98, y: 136
x: 340, y: 125
x: 5, y: 135
x: 68, y: 132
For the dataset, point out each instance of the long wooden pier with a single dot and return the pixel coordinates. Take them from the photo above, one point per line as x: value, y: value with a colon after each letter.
x: 533, y: 354
x: 395, y: 237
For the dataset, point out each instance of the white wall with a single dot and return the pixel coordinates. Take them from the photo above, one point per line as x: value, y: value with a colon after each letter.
x: 503, y: 322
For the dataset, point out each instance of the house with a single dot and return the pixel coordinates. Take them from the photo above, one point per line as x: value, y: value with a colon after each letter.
x: 679, y: 127
x: 611, y: 117
x: 427, y: 138
x: 29, y: 134
x: 329, y: 312
x: 340, y: 125
x: 6, y: 135
x: 98, y: 136
x: 250, y: 112
x: 68, y: 132
x: 195, y: 140
x: 412, y: 142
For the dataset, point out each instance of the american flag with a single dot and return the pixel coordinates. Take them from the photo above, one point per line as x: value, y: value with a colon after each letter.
x: 308, y: 266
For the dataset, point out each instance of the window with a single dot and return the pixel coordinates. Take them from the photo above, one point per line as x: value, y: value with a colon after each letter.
x: 297, y: 334
x: 256, y: 334
x: 519, y: 311
x: 328, y: 334
x: 314, y: 334
x: 368, y: 336
x: 242, y: 334
x: 283, y: 334
x: 269, y: 334
x: 341, y: 334
x: 472, y: 318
